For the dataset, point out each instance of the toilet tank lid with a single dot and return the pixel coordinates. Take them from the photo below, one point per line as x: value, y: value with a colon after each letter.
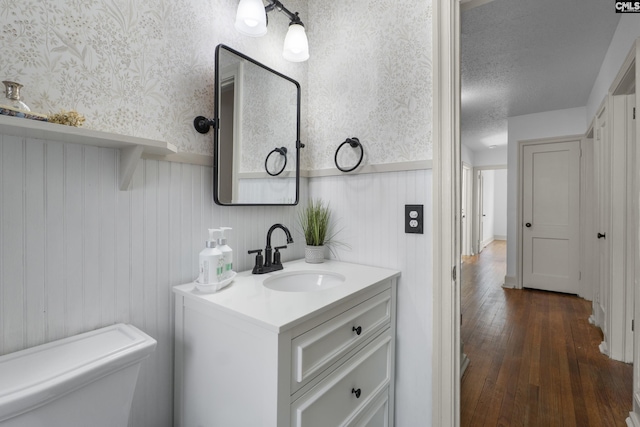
x: 32, y: 376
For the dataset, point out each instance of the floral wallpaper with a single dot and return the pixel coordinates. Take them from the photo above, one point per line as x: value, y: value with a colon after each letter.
x: 133, y: 67
x: 370, y: 77
x: 145, y: 68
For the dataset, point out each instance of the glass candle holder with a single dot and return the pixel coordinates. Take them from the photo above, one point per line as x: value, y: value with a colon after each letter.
x: 12, y: 92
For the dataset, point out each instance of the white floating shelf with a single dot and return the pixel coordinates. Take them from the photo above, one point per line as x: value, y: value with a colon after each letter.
x: 131, y: 147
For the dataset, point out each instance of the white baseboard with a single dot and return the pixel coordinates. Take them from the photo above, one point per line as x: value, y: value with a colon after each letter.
x: 464, y: 360
x: 510, y: 282
x: 464, y: 364
x: 598, y: 315
x: 634, y: 418
x: 604, y: 348
x: 486, y: 242
x: 499, y: 237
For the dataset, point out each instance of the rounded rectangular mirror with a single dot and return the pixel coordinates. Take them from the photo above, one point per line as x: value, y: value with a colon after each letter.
x: 257, y: 140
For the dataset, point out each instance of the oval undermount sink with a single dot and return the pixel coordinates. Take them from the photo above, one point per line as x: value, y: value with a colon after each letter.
x: 303, y: 281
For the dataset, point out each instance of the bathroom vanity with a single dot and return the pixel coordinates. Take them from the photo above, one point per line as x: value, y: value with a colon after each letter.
x: 311, y: 345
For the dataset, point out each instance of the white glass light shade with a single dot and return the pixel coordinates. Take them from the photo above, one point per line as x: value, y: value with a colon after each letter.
x: 251, y: 18
x: 296, y: 45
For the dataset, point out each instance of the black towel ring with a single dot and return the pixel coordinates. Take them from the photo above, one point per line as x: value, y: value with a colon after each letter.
x: 354, y: 143
x: 281, y: 150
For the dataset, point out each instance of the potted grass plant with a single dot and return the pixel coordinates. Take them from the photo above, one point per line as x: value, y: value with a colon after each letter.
x: 315, y: 221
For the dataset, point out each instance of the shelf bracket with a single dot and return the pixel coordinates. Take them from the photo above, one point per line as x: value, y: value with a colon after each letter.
x: 129, y: 157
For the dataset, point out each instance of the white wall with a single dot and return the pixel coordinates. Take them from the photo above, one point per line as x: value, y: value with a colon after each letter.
x: 627, y: 32
x: 371, y: 210
x: 500, y: 204
x: 370, y: 77
x: 467, y: 155
x: 532, y: 126
x: 491, y: 157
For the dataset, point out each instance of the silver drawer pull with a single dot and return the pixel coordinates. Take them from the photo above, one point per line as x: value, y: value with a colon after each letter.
x: 357, y: 330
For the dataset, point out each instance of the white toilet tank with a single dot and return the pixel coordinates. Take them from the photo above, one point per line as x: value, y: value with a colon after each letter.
x: 84, y: 380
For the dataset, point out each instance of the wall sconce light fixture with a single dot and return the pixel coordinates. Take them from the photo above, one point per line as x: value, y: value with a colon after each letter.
x: 251, y: 20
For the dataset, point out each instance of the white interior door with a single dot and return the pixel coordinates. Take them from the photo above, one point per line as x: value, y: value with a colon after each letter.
x: 551, y: 216
x: 636, y: 334
x: 479, y: 213
x: 618, y: 312
x: 631, y: 227
x: 602, y: 157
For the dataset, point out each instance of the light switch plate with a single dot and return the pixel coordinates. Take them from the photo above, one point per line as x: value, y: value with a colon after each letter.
x: 414, y: 219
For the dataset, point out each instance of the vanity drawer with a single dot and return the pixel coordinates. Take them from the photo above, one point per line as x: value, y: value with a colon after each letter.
x: 376, y: 414
x: 343, y: 395
x: 315, y: 350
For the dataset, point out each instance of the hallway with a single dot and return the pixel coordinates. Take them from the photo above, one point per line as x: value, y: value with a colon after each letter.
x: 534, y: 356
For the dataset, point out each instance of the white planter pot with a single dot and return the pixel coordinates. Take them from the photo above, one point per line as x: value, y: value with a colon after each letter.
x: 314, y: 254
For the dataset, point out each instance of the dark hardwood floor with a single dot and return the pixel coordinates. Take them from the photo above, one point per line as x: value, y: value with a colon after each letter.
x: 534, y: 356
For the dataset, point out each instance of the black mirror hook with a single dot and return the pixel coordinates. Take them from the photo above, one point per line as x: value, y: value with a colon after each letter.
x: 202, y: 124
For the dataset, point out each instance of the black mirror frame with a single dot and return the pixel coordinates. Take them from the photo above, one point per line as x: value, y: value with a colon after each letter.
x: 216, y: 137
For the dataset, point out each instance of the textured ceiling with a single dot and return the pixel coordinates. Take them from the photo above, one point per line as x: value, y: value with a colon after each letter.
x: 523, y: 57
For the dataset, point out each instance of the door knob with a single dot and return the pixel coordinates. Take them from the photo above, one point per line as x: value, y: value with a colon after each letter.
x: 602, y: 236
x: 528, y: 224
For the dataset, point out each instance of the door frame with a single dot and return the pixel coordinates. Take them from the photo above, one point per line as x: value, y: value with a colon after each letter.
x: 234, y: 74
x: 602, y: 219
x: 467, y: 202
x: 478, y: 211
x: 446, y: 344
x: 478, y: 203
x: 624, y: 136
x: 588, y: 227
x: 634, y: 415
x: 619, y: 313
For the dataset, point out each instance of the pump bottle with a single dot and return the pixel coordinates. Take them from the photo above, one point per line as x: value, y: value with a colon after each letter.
x: 227, y: 252
x: 211, y: 262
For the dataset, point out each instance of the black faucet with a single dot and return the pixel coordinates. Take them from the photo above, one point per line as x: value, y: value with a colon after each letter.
x: 270, y: 263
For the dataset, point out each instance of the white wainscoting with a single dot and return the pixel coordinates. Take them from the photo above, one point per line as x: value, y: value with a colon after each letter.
x: 370, y: 210
x: 76, y: 253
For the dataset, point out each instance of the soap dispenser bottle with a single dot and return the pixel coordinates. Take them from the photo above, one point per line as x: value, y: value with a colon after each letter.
x: 227, y: 253
x: 211, y: 263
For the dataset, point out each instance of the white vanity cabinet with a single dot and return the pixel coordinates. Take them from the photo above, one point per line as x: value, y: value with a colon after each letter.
x: 253, y: 357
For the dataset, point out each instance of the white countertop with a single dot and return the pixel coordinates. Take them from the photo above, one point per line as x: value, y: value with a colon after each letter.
x: 247, y: 298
